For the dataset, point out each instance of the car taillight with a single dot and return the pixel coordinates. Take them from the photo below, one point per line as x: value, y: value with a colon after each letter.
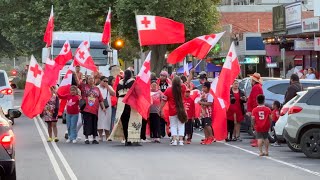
x: 284, y: 111
x: 7, y: 141
x: 295, y: 109
x: 7, y: 91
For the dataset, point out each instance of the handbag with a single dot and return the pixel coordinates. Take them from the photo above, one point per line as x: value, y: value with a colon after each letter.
x: 82, y: 104
x: 105, y: 101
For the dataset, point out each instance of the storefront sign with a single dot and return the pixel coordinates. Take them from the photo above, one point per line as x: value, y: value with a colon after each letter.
x: 303, y: 44
x: 317, y: 44
x: 310, y: 24
x: 250, y: 60
x: 278, y: 18
x: 293, y: 15
x: 272, y: 65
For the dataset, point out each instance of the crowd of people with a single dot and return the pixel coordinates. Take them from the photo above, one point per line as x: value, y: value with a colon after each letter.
x: 95, y: 103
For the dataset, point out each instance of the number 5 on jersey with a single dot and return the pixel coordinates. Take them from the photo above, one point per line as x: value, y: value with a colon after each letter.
x: 261, y: 115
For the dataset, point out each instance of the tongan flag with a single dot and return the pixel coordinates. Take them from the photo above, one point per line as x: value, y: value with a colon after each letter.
x: 106, y: 35
x: 49, y: 30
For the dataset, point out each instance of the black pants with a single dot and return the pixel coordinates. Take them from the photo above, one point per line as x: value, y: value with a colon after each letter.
x: 125, y: 120
x: 188, y: 128
x: 230, y: 125
x: 90, y: 124
x: 162, y: 127
x: 143, y: 129
x: 154, y: 125
x: 197, y: 123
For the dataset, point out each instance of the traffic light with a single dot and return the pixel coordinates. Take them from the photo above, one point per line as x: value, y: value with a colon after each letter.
x: 13, y: 72
x: 118, y: 44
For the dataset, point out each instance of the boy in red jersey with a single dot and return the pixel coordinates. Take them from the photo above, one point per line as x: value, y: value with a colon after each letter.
x: 275, y: 114
x: 261, y: 120
x: 190, y: 109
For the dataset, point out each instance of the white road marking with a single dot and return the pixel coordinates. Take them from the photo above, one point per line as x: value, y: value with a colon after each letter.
x: 49, y: 152
x: 270, y: 158
x: 60, y: 155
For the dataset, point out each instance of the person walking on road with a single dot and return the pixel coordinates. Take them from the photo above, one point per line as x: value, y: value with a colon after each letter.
x: 50, y: 115
x: 294, y: 87
x: 235, y: 113
x: 104, y: 117
x: 154, y: 117
x: 190, y: 109
x: 177, y: 114
x: 256, y: 83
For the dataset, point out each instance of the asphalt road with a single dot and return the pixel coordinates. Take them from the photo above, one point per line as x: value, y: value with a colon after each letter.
x: 37, y: 159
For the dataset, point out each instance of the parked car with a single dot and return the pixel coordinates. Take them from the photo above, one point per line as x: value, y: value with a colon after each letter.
x: 7, y: 149
x: 275, y: 89
x: 7, y: 96
x: 303, y: 126
x: 282, y: 121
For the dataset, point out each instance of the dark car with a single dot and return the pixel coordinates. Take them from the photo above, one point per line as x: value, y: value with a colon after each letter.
x: 7, y: 149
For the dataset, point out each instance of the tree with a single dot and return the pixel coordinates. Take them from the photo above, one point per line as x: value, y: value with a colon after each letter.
x: 199, y: 17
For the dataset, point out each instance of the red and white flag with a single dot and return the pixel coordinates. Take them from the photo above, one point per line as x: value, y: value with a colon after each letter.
x: 64, y: 88
x: 83, y: 57
x: 106, y: 35
x: 138, y: 97
x: 155, y: 30
x: 36, y: 94
x: 49, y: 30
x: 185, y: 68
x: 220, y: 90
x: 65, y: 54
x: 198, y: 47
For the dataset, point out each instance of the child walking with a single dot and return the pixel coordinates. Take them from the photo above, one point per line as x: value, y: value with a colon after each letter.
x: 156, y: 96
x: 261, y: 120
x: 72, y: 113
x: 275, y: 114
x: 190, y: 108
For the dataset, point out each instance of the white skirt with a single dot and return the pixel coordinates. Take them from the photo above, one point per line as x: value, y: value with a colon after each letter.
x: 104, y: 119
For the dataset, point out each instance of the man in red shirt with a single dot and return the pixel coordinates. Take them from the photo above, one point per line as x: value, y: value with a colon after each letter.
x: 190, y: 108
x: 261, y: 120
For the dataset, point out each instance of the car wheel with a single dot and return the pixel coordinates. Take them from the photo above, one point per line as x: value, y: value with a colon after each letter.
x: 272, y: 136
x: 310, y: 143
x: 294, y: 147
x: 12, y: 176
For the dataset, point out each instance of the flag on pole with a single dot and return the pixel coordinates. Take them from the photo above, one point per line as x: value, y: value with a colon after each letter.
x: 36, y: 93
x: 198, y: 47
x: 138, y: 97
x: 49, y: 30
x: 155, y: 30
x: 106, y: 35
x: 220, y: 90
x: 83, y: 58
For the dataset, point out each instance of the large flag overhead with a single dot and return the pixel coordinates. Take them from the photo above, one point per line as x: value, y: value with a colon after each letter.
x: 220, y: 90
x: 198, y: 47
x: 155, y: 30
x: 106, y: 35
x: 83, y: 58
x: 138, y: 97
x: 49, y: 30
x: 36, y: 94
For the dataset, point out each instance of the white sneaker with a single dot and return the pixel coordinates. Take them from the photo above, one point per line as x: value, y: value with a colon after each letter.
x: 78, y: 138
x: 181, y: 143
x: 276, y: 144
x: 123, y: 141
x: 68, y: 141
x: 145, y: 141
x: 174, y: 143
x: 74, y: 141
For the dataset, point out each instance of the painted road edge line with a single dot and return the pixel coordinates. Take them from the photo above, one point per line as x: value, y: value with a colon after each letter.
x: 49, y: 152
x: 60, y: 155
x: 270, y: 158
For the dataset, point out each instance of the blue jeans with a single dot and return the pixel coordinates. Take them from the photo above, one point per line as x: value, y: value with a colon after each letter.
x: 113, y: 117
x: 72, y: 120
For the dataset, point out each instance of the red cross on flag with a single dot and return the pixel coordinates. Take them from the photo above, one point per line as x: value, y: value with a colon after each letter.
x: 106, y: 35
x: 83, y: 57
x: 220, y: 90
x: 36, y: 93
x: 198, y: 47
x: 49, y: 30
x: 64, y: 88
x: 155, y: 30
x: 138, y: 97
x: 65, y: 54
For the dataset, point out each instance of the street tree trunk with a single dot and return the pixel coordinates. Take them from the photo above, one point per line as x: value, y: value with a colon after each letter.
x: 158, y: 61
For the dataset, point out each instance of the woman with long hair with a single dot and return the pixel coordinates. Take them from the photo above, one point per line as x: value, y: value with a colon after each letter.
x: 177, y: 114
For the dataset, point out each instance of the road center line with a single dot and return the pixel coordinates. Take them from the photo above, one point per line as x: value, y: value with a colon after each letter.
x: 60, y: 155
x: 270, y: 158
x: 49, y: 152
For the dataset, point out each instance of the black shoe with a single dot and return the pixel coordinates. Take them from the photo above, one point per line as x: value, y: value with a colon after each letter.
x: 228, y: 140
x: 95, y: 142
x: 128, y: 143
x: 87, y: 141
x: 66, y: 136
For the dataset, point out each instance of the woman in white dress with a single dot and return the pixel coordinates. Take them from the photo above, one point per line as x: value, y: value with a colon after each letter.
x: 104, y: 118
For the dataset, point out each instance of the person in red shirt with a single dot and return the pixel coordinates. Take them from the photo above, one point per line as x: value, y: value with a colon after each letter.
x: 256, y: 90
x: 72, y: 114
x: 190, y: 108
x: 275, y: 116
x: 261, y: 120
x: 177, y: 114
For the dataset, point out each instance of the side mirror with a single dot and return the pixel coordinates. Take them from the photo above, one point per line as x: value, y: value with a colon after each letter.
x: 14, y: 113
